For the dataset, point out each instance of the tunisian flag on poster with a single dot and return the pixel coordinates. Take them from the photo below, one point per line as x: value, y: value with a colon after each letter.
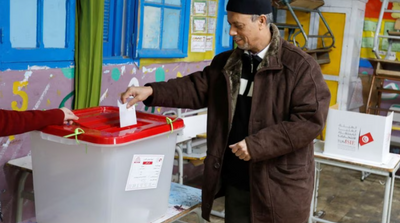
x: 365, y: 139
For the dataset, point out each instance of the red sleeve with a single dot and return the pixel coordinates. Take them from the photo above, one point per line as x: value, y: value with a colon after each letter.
x: 15, y: 122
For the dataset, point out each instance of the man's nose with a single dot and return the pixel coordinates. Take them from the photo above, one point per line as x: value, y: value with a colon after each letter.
x: 232, y: 31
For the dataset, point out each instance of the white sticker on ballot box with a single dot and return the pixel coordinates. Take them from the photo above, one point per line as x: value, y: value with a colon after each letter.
x: 145, y: 172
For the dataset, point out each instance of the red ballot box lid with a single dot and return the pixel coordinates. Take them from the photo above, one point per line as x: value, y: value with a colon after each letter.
x: 101, y: 125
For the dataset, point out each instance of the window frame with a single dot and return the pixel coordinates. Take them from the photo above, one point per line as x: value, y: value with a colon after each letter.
x: 182, y: 50
x: 17, y: 58
x: 220, y: 29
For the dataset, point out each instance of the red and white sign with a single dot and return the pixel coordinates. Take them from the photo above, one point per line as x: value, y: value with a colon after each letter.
x: 365, y: 139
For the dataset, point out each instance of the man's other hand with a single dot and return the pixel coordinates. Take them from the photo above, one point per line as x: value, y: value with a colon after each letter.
x: 240, y: 150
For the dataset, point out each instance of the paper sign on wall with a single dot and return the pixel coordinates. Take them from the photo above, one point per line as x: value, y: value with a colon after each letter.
x: 209, y: 43
x: 211, y: 25
x: 212, y: 8
x: 199, y: 7
x: 198, y: 44
x: 199, y: 25
x: 144, y: 172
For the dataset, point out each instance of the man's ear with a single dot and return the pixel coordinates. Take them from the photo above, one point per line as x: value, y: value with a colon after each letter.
x: 262, y: 20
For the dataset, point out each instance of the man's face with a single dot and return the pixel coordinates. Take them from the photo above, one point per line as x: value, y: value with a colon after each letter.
x: 245, y: 32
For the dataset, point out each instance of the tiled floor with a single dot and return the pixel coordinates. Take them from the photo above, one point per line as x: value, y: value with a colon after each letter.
x: 344, y: 198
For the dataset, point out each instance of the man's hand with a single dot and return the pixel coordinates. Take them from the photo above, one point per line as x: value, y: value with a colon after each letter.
x: 69, y: 116
x: 138, y: 93
x: 240, y: 150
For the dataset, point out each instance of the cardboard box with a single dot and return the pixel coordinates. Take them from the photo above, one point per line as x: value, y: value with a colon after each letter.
x: 358, y: 136
x: 309, y: 4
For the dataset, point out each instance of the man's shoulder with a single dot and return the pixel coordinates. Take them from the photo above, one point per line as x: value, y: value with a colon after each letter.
x: 292, y: 56
x: 224, y: 55
x: 221, y: 59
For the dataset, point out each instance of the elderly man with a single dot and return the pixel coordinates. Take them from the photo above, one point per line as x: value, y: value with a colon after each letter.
x: 267, y: 101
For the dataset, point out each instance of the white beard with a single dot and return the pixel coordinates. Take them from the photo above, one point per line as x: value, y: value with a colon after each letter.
x: 245, y: 46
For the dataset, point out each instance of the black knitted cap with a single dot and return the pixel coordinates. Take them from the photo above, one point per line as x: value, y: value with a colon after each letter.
x: 251, y: 7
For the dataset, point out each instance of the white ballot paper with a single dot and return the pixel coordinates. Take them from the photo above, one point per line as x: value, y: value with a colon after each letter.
x: 127, y: 116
